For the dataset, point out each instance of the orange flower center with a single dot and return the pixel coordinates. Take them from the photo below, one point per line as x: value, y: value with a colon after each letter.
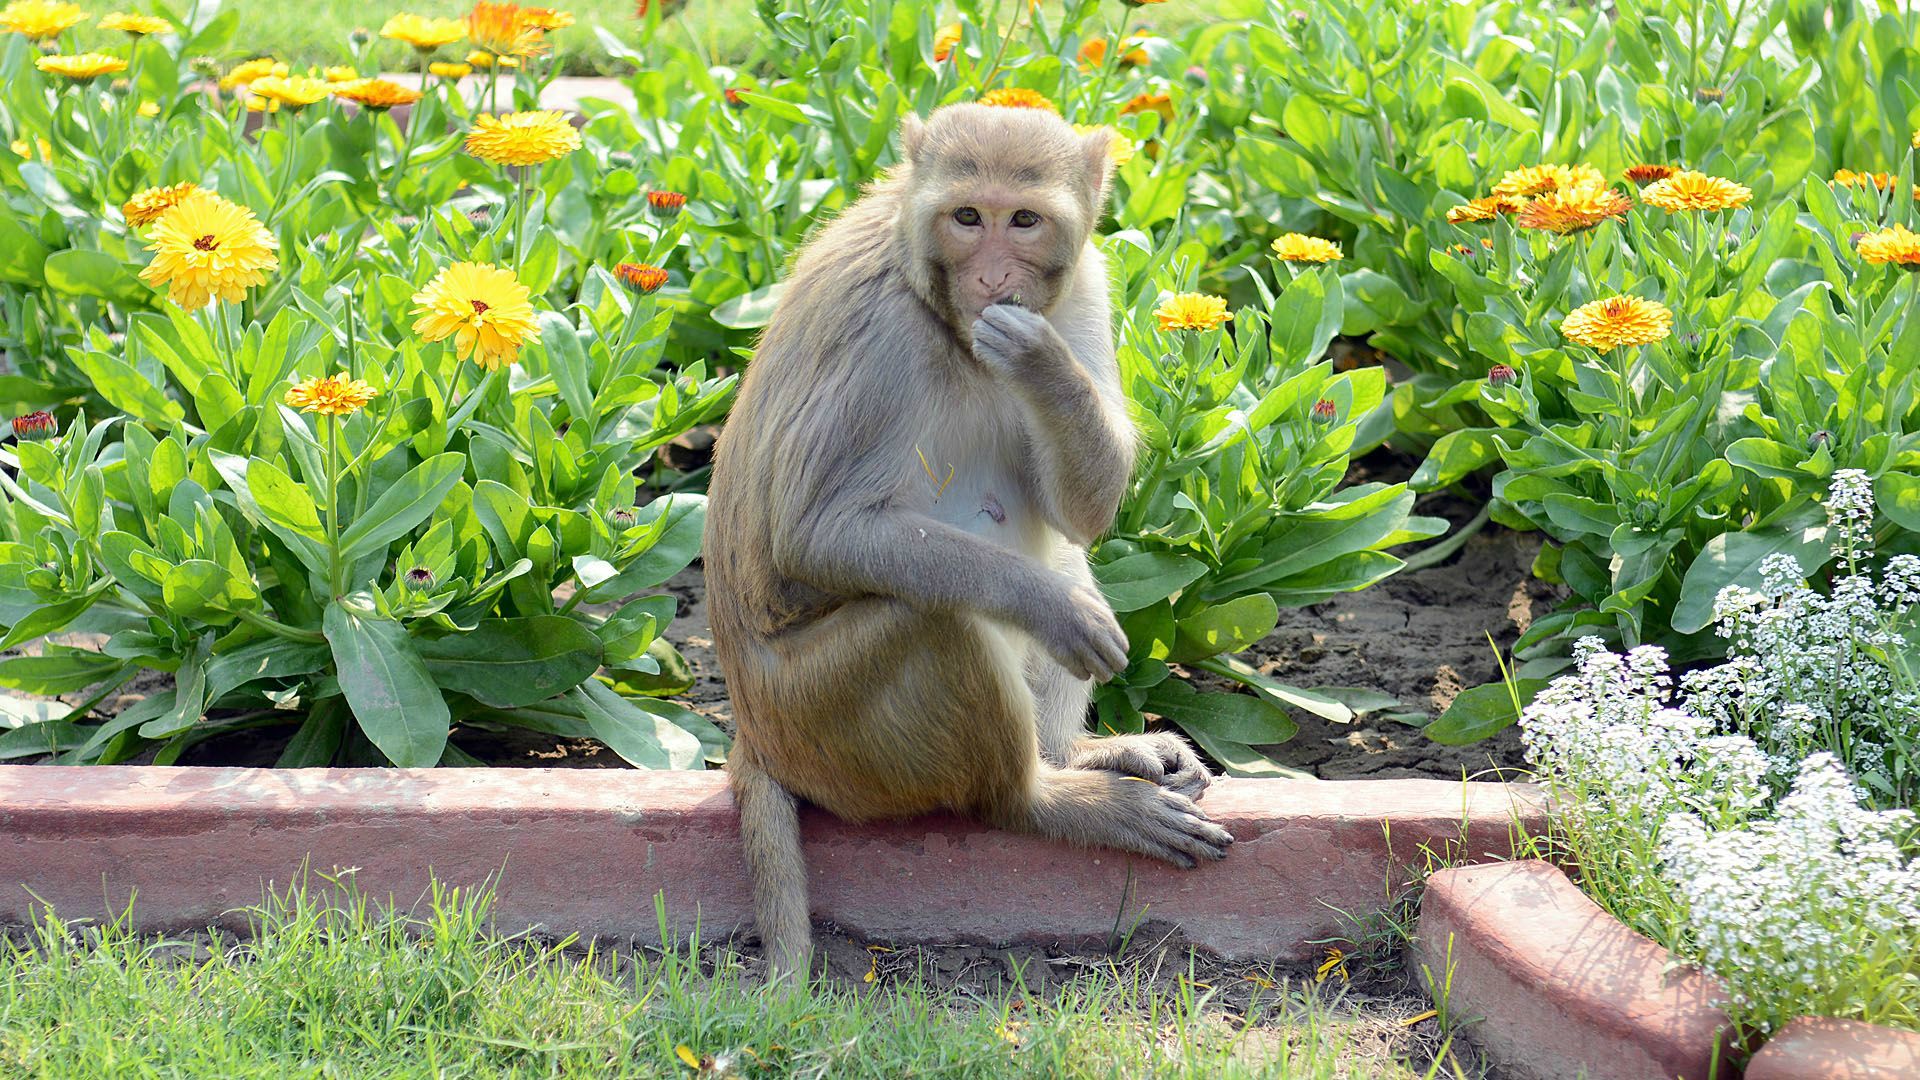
x: 206, y: 243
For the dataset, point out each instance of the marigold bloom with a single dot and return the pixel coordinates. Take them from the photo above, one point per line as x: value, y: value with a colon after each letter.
x: 1642, y: 175
x: 1192, y: 311
x: 247, y: 71
x: 483, y: 307
x: 262, y: 105
x: 503, y: 30
x: 481, y: 60
x: 377, y: 94
x: 135, y: 25
x: 1618, y: 321
x: 546, y: 20
x: 1298, y: 247
x: 1484, y: 209
x: 83, y: 68
x: 1120, y: 148
x: 423, y: 33
x: 522, y: 138
x: 1093, y: 53
x: 295, y: 91
x: 1694, y: 191
x: 450, y: 71
x: 1158, y: 103
x: 24, y: 149
x: 148, y: 109
x: 1893, y: 246
x: 1540, y: 179
x: 945, y: 40
x: 1849, y: 178
x: 39, y: 19
x: 640, y: 277
x: 665, y: 205
x: 36, y: 426
x: 148, y: 206
x: 207, y: 248
x: 1574, y: 209
x: 340, y: 73
x: 330, y: 395
x: 1018, y: 97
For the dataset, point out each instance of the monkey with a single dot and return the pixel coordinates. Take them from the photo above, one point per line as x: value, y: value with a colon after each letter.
x: 929, y: 436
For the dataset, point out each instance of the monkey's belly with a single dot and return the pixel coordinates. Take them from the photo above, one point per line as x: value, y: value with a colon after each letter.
x: 996, y: 512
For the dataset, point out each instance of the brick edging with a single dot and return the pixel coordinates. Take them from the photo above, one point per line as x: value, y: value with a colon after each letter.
x: 586, y: 851
x: 1827, y: 1049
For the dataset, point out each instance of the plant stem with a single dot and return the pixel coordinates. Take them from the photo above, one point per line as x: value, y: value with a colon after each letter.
x: 1440, y: 552
x: 333, y: 505
x: 279, y: 629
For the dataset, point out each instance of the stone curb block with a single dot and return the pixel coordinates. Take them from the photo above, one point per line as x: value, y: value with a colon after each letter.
x: 1837, y: 1050
x: 1554, y: 987
x: 586, y: 851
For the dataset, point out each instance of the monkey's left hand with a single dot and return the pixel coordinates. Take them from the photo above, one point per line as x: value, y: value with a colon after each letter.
x: 1012, y: 341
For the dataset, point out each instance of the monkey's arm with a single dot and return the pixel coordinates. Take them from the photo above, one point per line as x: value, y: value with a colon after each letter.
x: 1082, y: 440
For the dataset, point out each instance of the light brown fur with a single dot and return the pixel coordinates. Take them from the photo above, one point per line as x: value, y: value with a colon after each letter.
x: 900, y: 504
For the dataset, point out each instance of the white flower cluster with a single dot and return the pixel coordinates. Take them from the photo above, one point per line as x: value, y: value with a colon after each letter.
x: 1850, y: 514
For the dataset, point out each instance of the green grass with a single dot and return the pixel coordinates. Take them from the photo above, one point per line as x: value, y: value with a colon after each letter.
x: 345, y: 988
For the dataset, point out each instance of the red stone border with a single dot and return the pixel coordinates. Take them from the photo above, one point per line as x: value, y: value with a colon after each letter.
x: 1837, y: 1050
x: 1553, y: 987
x: 587, y: 850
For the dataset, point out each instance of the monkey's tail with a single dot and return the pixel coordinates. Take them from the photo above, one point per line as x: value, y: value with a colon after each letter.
x: 770, y: 832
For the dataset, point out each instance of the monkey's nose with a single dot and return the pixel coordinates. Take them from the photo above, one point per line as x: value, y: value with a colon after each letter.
x: 994, y: 282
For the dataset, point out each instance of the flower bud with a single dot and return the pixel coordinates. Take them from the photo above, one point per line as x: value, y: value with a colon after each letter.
x: 1818, y: 439
x: 733, y: 97
x: 640, y: 277
x: 419, y: 579
x: 407, y: 221
x: 622, y: 518
x: 620, y: 159
x: 480, y: 215
x: 1500, y: 375
x: 37, y: 426
x: 1197, y: 75
x: 665, y: 205
x: 1709, y: 95
x: 204, y: 66
x: 360, y: 37
x: 1324, y: 412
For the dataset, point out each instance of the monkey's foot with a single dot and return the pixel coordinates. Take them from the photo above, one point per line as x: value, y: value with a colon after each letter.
x: 1162, y: 758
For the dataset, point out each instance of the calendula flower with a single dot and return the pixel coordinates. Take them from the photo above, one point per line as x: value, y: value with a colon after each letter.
x: 481, y: 60
x: 1916, y: 140
x: 522, y: 138
x: 1120, y: 148
x: 732, y: 97
x: 423, y: 33
x: 449, y: 71
x: 1484, y: 209
x: 1694, y: 191
x: 503, y: 30
x: 665, y: 205
x: 36, y: 426
x: 622, y: 518
x: 1018, y: 97
x: 1326, y: 412
x: 330, y: 395
x: 1618, y: 321
x: 1500, y: 375
x: 1192, y: 311
x: 24, y: 149
x: 247, y: 71
x: 1849, y: 178
x: 295, y: 91
x: 340, y: 73
x: 1300, y: 248
x: 38, y: 19
x: 207, y: 248
x: 1642, y: 175
x: 1149, y: 102
x: 1708, y: 95
x: 148, y: 206
x: 945, y: 40
x: 419, y: 579
x: 83, y: 68
x: 135, y: 25
x: 640, y: 277
x: 1574, y: 209
x: 546, y: 20
x: 1540, y: 179
x: 1893, y: 246
x: 377, y: 94
x: 483, y: 307
x: 262, y: 105
x: 1093, y: 53
x: 148, y: 109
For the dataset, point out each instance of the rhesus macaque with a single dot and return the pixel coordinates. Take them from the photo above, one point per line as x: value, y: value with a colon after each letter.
x: 929, y: 436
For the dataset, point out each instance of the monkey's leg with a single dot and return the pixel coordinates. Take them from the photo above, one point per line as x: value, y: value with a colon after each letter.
x: 770, y: 831
x: 1098, y: 808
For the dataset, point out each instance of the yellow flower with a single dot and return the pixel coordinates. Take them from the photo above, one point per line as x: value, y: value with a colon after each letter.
x: 1916, y: 140
x: 1896, y: 246
x: 423, y: 33
x: 262, y: 105
x: 135, y: 25
x: 376, y: 93
x: 149, y: 109
x: 1018, y: 97
x: 85, y: 67
x: 26, y: 149
x: 1849, y: 178
x: 1574, y: 209
x: 503, y: 30
x: 296, y: 92
x: 39, y: 19
x: 1120, y: 148
x: 481, y: 59
x: 331, y: 395
x: 1540, y: 179
x: 483, y: 307
x: 1192, y: 311
x: 547, y: 19
x: 339, y: 74
x: 945, y: 40
x: 1618, y: 321
x: 1694, y: 191
x: 522, y: 138
x: 207, y: 248
x: 1093, y: 52
x: 246, y: 72
x: 148, y: 206
x: 1298, y: 247
x: 450, y: 71
x: 1484, y: 209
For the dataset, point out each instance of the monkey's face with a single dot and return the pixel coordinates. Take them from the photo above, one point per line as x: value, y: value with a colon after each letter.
x: 1001, y: 244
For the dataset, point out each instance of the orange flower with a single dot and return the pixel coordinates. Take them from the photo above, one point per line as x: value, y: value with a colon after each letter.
x: 1018, y: 98
x: 666, y: 204
x: 1159, y: 103
x: 1618, y: 321
x: 945, y: 40
x: 1642, y: 175
x: 640, y: 277
x: 547, y: 20
x: 1484, y: 209
x: 1694, y: 191
x: 1895, y: 246
x: 1093, y: 53
x: 1574, y: 209
x: 376, y: 94
x: 503, y: 30
x: 1540, y: 179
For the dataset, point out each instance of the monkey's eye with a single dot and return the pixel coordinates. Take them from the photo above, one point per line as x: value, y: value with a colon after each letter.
x: 967, y: 215
x: 1025, y: 219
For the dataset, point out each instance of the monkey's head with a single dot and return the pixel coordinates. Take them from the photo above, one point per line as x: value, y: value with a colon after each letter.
x: 998, y: 204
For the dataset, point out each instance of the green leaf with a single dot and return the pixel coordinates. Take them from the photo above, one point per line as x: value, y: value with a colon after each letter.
x: 1136, y: 581
x: 282, y: 501
x: 1454, y: 456
x: 1734, y: 559
x: 641, y: 734
x: 628, y: 633
x: 676, y: 544
x: 410, y: 501
x: 22, y: 256
x: 57, y: 673
x: 1305, y: 318
x: 49, y: 737
x: 749, y: 311
x: 507, y: 663
x: 1240, y: 718
x: 1225, y: 628
x: 127, y: 390
x: 78, y: 272
x: 205, y: 590
x: 1898, y: 494
x: 1478, y: 712
x: 387, y: 685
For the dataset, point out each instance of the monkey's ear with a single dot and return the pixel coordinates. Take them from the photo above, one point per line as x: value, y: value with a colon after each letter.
x: 913, y: 133
x: 1096, y: 148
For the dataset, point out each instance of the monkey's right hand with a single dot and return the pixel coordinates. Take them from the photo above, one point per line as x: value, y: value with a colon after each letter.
x: 1079, y: 631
